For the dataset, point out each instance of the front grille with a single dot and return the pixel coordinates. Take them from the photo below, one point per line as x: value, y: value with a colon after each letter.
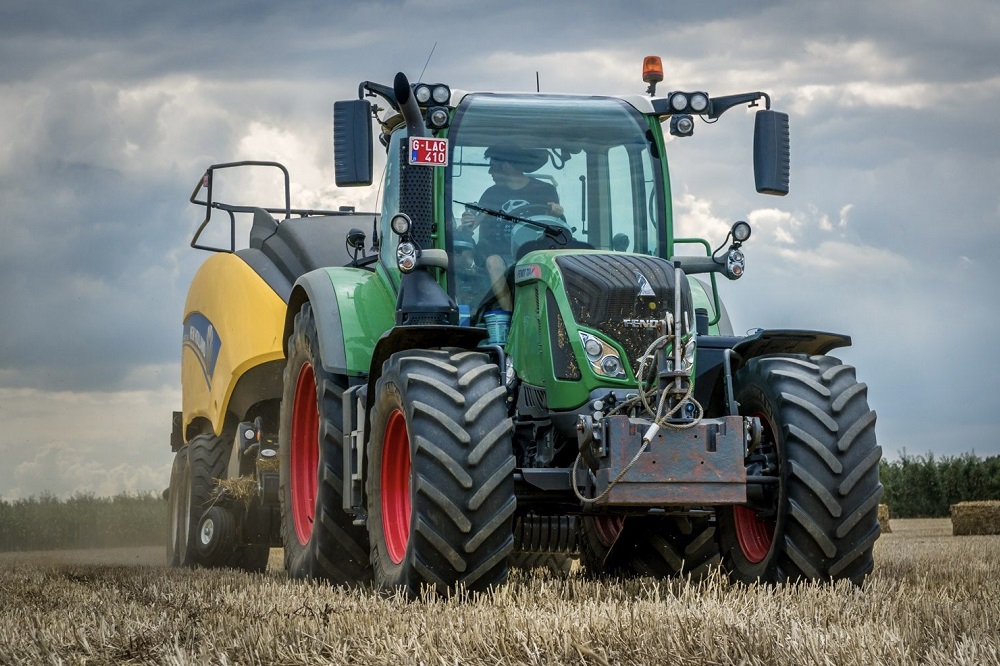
x: 604, y: 292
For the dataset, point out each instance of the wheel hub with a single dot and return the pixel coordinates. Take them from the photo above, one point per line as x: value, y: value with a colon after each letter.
x: 207, y: 531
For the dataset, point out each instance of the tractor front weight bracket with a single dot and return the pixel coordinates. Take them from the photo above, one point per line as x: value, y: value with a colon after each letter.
x: 699, y: 465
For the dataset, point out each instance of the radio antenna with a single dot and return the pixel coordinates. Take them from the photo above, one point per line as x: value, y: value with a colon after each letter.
x: 538, y: 84
x: 421, y: 77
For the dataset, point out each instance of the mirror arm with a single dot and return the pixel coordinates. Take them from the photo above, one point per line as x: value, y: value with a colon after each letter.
x: 719, y: 105
x: 370, y: 89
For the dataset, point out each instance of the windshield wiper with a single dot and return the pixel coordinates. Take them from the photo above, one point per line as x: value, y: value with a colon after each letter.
x: 554, y: 231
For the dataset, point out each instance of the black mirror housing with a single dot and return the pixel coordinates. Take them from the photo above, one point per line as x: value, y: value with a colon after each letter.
x: 771, y: 161
x: 352, y: 142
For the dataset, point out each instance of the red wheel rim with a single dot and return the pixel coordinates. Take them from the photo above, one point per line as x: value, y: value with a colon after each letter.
x: 608, y: 528
x: 755, y: 536
x: 304, y: 473
x: 396, y: 487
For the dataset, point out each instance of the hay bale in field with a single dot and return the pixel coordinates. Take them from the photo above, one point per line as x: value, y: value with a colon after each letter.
x: 883, y: 518
x: 975, y: 518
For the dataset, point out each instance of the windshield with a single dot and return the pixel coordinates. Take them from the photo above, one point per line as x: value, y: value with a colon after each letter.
x: 581, y: 168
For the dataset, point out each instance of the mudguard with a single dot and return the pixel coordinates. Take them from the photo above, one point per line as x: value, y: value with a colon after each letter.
x: 232, y: 326
x: 353, y: 308
x: 715, y: 352
x: 788, y: 341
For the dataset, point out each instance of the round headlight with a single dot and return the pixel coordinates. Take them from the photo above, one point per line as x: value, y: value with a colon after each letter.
x: 699, y: 102
x: 741, y: 231
x: 593, y: 348
x: 422, y: 93
x: 611, y: 366
x: 438, y: 117
x: 685, y: 125
x: 679, y: 101
x: 441, y: 94
x: 400, y: 223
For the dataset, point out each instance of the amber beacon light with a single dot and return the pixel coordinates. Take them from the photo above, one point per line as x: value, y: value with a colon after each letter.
x: 652, y: 72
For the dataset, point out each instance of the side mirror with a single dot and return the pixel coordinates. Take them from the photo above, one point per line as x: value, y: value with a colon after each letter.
x: 352, y: 142
x: 771, y: 152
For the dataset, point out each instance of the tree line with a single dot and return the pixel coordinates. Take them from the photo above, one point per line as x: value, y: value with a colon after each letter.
x: 925, y: 486
x: 83, y: 521
x: 915, y: 487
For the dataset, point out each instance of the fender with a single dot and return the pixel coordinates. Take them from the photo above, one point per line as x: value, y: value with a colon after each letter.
x: 719, y: 357
x: 353, y: 308
x: 788, y: 341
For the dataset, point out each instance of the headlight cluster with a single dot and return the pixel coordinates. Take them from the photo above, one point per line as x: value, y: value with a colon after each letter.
x: 406, y: 256
x: 682, y: 105
x: 438, y: 92
x: 406, y: 251
x: 683, y: 102
x: 603, y: 358
x: 435, y: 98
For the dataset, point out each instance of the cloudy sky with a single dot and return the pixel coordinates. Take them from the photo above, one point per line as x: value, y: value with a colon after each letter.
x: 110, y: 111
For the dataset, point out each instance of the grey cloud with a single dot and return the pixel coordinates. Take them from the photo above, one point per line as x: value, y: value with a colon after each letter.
x: 110, y: 111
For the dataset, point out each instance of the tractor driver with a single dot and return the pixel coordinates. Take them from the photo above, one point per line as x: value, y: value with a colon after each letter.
x: 512, y: 189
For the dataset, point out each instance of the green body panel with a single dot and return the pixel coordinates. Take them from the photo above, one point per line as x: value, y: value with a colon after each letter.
x: 529, y: 343
x: 367, y: 309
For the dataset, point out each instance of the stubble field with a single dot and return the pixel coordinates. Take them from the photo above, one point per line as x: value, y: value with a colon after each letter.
x: 933, y: 598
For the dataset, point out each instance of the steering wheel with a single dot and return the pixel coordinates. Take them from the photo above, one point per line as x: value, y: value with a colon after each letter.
x: 531, y: 209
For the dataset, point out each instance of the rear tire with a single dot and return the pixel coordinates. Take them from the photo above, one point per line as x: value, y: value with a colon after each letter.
x: 320, y: 538
x: 670, y: 546
x: 598, y: 540
x: 179, y: 509
x: 822, y: 521
x: 440, y: 484
x: 557, y: 564
x: 643, y: 546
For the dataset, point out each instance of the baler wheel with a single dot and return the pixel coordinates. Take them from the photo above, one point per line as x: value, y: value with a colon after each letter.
x: 208, y: 462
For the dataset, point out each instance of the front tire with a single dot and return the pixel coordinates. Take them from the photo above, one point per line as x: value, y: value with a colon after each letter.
x: 320, y: 538
x: 440, y: 484
x: 821, y: 521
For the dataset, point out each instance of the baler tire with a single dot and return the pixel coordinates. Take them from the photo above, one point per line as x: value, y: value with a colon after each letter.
x: 817, y: 421
x: 179, y: 511
x: 217, y: 527
x: 208, y: 458
x: 440, y: 486
x: 208, y: 463
x: 320, y: 538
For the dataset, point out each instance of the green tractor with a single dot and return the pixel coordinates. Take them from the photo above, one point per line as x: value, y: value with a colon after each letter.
x: 522, y: 365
